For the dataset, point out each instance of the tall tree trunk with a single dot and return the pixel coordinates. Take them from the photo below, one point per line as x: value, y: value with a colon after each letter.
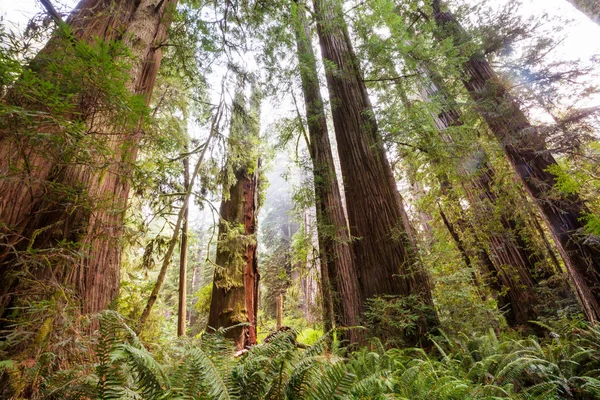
x: 235, y: 286
x: 591, y: 8
x: 513, y: 261
x: 181, y: 311
x: 337, y: 261
x: 386, y: 257
x: 41, y: 189
x: 176, y: 231
x: 529, y: 158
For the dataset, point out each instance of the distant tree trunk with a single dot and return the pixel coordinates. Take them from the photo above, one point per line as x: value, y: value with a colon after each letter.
x: 550, y: 250
x: 192, y: 313
x: 591, y: 8
x: 386, y: 257
x: 336, y: 258
x: 41, y: 190
x: 514, y: 264
x: 530, y: 160
x: 235, y: 287
x: 160, y: 279
x: 513, y: 267
x: 181, y: 316
x: 425, y: 219
x: 307, y: 281
x: 279, y: 312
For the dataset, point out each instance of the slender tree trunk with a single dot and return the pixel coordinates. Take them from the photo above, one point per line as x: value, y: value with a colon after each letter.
x: 235, y: 286
x: 192, y: 313
x: 279, y: 314
x: 514, y: 264
x: 176, y: 231
x: 386, y: 257
x: 456, y: 238
x: 529, y: 158
x: 550, y: 250
x: 181, y: 316
x: 40, y: 189
x: 337, y: 261
x: 483, y: 181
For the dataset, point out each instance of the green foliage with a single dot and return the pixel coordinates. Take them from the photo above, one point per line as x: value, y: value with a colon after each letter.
x: 309, y: 336
x: 565, y: 366
x: 395, y: 319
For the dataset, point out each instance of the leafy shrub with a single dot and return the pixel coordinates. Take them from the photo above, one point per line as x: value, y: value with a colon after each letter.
x: 395, y: 319
x: 479, y: 367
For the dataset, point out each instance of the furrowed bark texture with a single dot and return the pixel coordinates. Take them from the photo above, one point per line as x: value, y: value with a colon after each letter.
x: 513, y: 263
x: 386, y: 258
x: 36, y: 178
x: 337, y: 260
x: 235, y: 286
x: 531, y: 161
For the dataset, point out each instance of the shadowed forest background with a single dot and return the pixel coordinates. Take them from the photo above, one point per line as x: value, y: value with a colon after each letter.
x: 290, y: 199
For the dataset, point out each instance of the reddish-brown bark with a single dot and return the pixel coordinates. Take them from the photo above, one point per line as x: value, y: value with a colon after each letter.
x: 235, y: 285
x: 251, y: 276
x: 513, y: 264
x: 529, y: 158
x: 337, y: 260
x: 386, y: 257
x: 41, y: 191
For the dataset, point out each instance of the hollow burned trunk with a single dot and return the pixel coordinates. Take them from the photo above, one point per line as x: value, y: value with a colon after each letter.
x: 63, y: 196
x: 531, y: 161
x: 386, y: 257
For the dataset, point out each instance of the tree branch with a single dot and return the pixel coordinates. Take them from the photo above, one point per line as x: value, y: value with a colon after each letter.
x: 52, y: 11
x: 394, y: 79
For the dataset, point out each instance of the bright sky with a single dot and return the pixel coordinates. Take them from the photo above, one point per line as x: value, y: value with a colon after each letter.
x: 581, y: 34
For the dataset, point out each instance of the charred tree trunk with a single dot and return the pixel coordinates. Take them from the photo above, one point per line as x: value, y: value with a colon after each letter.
x: 336, y: 258
x: 529, y: 158
x: 41, y: 189
x: 386, y: 258
x: 235, y: 286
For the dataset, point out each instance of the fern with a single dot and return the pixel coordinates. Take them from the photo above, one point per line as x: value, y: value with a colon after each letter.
x: 483, y: 367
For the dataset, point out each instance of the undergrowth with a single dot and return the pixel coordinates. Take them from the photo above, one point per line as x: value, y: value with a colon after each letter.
x: 566, y: 366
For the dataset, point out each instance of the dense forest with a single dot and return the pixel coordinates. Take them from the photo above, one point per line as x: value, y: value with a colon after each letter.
x: 293, y: 199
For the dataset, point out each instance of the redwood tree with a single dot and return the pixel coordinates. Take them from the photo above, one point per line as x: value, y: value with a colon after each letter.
x: 60, y: 197
x: 531, y: 161
x: 386, y: 257
x: 235, y: 286
x: 513, y: 262
x: 337, y: 260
